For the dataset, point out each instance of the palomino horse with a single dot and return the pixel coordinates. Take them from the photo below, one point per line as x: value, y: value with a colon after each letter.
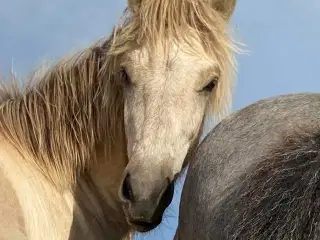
x: 256, y: 175
x: 90, y: 148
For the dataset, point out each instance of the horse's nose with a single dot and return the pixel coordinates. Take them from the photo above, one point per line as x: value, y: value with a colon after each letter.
x: 140, y: 185
x: 145, y: 197
x: 135, y: 189
x: 126, y: 193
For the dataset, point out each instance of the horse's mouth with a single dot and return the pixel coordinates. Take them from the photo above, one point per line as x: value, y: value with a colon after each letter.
x: 142, y: 226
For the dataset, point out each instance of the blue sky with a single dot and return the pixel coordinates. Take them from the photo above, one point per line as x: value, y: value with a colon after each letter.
x: 283, y: 38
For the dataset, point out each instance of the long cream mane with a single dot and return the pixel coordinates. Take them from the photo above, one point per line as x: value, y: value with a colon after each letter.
x: 63, y: 116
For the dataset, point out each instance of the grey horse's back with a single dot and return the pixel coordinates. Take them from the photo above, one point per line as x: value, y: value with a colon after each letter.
x: 257, y: 174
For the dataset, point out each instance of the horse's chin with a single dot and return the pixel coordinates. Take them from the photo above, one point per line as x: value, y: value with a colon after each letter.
x: 141, y: 226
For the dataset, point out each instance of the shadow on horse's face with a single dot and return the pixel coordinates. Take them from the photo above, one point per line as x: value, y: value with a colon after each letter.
x: 166, y: 96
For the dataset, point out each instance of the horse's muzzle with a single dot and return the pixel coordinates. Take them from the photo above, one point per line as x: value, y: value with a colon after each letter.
x: 145, y: 214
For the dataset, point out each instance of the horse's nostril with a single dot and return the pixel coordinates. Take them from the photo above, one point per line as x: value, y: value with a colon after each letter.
x: 127, y: 193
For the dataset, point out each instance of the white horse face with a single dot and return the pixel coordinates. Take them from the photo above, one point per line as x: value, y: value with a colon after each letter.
x: 167, y: 91
x: 166, y: 96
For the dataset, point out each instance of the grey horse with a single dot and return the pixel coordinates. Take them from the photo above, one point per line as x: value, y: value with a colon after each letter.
x: 257, y: 174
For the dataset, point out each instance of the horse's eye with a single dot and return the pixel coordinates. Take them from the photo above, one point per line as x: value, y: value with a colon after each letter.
x: 211, y: 85
x: 126, y: 81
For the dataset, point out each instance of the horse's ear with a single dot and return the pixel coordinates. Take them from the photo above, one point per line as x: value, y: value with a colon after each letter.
x: 225, y: 7
x: 134, y: 5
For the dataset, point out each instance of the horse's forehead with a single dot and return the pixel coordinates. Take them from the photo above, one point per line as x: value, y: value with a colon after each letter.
x: 174, y: 54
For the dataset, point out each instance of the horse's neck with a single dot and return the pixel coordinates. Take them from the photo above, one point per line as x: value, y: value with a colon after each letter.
x: 61, y: 119
x: 97, y: 206
x: 96, y: 216
x: 50, y: 213
x: 46, y: 213
x: 103, y: 181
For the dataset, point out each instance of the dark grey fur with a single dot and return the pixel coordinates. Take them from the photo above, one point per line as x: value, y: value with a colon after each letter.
x: 257, y: 174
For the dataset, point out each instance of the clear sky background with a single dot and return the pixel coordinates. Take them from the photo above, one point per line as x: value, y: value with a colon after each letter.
x: 283, y: 38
